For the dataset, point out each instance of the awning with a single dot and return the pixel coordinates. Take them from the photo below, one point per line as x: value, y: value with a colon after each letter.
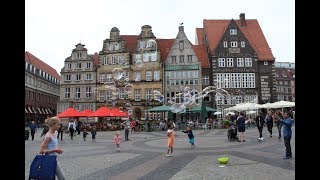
x: 49, y: 111
x: 198, y: 109
x: 43, y: 111
x: 30, y: 110
x: 46, y: 111
x: 39, y: 110
x: 25, y: 109
x: 34, y: 110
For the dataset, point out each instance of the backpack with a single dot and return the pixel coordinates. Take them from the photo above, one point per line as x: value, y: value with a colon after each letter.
x: 71, y: 126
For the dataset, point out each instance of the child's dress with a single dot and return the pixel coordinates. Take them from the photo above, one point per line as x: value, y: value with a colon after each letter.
x: 170, y: 138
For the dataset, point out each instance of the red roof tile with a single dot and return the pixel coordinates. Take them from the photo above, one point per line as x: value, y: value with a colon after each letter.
x: 131, y: 42
x: 199, y: 35
x: 36, y: 62
x: 202, y: 54
x: 215, y: 29
x: 164, y: 45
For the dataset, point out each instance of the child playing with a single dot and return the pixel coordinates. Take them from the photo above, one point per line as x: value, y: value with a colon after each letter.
x: 117, y: 140
x: 190, y: 136
x: 93, y: 133
x: 85, y: 133
x: 170, y: 135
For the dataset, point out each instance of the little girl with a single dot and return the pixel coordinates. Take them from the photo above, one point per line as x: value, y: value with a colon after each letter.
x: 117, y: 140
x: 190, y: 136
x: 170, y: 135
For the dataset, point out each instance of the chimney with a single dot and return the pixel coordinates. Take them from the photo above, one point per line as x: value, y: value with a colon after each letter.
x: 181, y: 27
x: 242, y: 20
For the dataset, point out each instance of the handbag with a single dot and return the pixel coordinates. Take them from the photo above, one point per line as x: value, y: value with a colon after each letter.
x: 43, y: 167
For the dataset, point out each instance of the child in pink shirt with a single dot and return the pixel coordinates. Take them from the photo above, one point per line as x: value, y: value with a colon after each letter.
x: 117, y: 140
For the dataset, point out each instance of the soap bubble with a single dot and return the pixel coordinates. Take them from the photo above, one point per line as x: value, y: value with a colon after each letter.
x: 117, y: 73
x: 128, y: 88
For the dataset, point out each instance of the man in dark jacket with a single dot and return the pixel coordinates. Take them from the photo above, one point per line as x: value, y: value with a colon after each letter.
x: 33, y: 128
x: 241, y: 127
x: 287, y: 133
x: 259, y: 122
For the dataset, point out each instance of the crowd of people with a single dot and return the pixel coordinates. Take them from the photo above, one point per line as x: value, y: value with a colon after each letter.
x: 54, y: 129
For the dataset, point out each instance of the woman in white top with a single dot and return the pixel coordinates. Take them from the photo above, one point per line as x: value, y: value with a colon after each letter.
x: 72, y: 128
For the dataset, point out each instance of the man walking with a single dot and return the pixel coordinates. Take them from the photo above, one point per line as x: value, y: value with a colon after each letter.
x: 287, y: 133
x: 33, y: 128
x: 127, y: 126
x: 259, y: 122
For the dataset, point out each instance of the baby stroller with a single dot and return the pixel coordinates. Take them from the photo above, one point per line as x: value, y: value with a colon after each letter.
x: 232, y: 133
x: 26, y: 134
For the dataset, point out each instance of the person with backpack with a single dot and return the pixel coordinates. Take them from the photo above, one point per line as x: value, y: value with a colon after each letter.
x: 33, y: 129
x: 72, y: 128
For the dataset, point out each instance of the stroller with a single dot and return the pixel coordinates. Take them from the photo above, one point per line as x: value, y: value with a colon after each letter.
x: 26, y: 134
x: 232, y: 133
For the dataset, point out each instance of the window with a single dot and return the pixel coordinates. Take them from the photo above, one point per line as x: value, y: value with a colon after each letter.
x: 121, y: 93
x: 79, y: 55
x: 77, y: 93
x: 109, y: 78
x: 138, y: 57
x: 181, y: 58
x: 113, y: 60
x: 285, y: 82
x: 78, y: 77
x: 105, y: 60
x: 120, y: 60
x: 229, y: 62
x: 248, y: 62
x: 276, y: 75
x: 110, y: 47
x: 181, y: 45
x: 88, y: 77
x: 145, y: 57
x: 137, y: 95
x: 88, y: 92
x: 137, y: 76
x: 173, y: 59
x: 225, y: 44
x: 189, y: 58
x: 240, y: 62
x: 265, y: 63
x: 234, y: 44
x: 67, y: 77
x: 156, y: 75
x: 148, y: 75
x: 221, y: 62
x: 284, y: 74
x: 101, y: 96
x: 142, y: 44
x: 233, y: 31
x: 116, y: 47
x: 148, y: 94
x: 109, y: 95
x: 102, y: 78
x: 69, y: 67
x: 88, y: 65
x: 78, y: 65
x: 205, y: 80
x: 243, y: 44
x: 67, y: 93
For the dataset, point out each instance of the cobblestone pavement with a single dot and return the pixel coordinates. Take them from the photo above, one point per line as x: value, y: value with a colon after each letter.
x: 143, y: 156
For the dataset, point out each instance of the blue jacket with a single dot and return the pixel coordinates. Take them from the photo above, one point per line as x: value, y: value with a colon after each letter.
x: 287, y: 123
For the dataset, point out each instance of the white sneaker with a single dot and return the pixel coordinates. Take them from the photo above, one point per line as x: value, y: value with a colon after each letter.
x: 261, y: 138
x: 118, y: 149
x: 171, y: 155
x: 168, y: 155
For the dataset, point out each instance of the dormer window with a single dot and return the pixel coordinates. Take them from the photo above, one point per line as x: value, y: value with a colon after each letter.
x: 233, y: 31
x: 265, y: 63
x: 243, y: 44
x: 181, y: 45
x: 234, y: 44
x: 225, y: 44
x: 276, y: 75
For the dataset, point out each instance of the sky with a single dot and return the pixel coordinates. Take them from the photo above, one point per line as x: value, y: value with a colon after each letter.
x: 53, y: 28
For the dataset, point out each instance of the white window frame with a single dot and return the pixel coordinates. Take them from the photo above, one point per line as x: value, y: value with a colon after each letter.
x: 109, y: 95
x: 243, y: 44
x: 233, y: 31
x: 156, y: 75
x: 67, y: 77
x: 105, y: 60
x: 88, y: 92
x: 88, y: 77
x: 78, y: 77
x: 173, y: 59
x: 67, y: 93
x: 69, y: 66
x: 77, y: 93
x: 137, y: 94
x: 248, y: 62
x: 229, y: 62
x: 137, y: 76
x: 116, y: 47
x: 265, y: 63
x: 240, y: 62
x: 221, y: 62
x: 225, y: 44
x: 88, y: 65
x: 79, y: 66
x: 234, y: 44
x: 102, y: 96
x: 205, y: 80
x: 148, y: 94
x: 121, y: 94
x: 109, y: 78
x: 148, y: 75
x: 102, y: 78
x: 113, y: 60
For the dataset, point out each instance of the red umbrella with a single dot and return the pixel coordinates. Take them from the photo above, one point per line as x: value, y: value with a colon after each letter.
x: 118, y: 112
x: 102, y: 112
x: 86, y: 113
x: 70, y: 112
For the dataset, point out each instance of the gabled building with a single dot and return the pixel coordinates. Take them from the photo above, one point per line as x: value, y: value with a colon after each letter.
x: 285, y: 84
x: 241, y: 60
x: 114, y: 61
x: 146, y: 73
x: 182, y: 69
x: 78, y: 80
x: 41, y: 89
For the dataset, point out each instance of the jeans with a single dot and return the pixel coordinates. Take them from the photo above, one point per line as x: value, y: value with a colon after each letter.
x: 32, y: 135
x: 279, y: 126
x: 260, y: 130
x: 60, y: 133
x: 288, y: 146
x: 71, y: 132
x: 126, y: 134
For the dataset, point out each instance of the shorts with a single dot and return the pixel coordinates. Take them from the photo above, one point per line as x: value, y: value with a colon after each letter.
x: 241, y: 129
x: 191, y: 140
